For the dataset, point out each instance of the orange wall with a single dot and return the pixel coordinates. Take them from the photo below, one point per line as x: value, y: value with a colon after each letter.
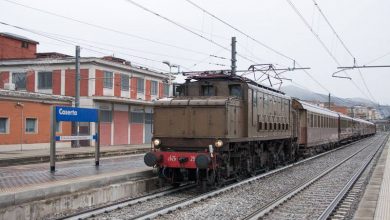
x: 36, y: 110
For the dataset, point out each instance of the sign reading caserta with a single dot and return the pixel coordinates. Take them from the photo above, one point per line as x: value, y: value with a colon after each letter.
x: 64, y: 113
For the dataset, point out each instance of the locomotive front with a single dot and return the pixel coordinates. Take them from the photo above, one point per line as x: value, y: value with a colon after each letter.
x: 191, y: 130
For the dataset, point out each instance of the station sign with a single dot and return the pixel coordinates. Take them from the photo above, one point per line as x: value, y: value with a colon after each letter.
x: 64, y: 113
x: 76, y: 138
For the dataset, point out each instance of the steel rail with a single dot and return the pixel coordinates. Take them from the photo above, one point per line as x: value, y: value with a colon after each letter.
x: 181, y: 204
x: 329, y: 210
x: 118, y: 205
x: 286, y: 196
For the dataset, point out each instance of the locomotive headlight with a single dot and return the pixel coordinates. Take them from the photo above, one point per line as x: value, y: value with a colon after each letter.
x: 156, y: 142
x: 218, y: 143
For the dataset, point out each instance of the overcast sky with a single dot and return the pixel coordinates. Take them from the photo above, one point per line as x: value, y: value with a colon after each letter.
x: 363, y: 25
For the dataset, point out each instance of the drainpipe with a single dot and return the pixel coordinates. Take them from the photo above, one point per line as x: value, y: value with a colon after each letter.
x: 21, y: 105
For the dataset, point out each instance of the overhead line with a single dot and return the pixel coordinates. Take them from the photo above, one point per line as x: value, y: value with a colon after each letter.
x: 105, y: 28
x: 344, y: 45
x: 239, y: 31
x: 257, y: 41
x: 69, y: 42
x: 333, y: 29
x: 323, y: 44
x: 184, y: 28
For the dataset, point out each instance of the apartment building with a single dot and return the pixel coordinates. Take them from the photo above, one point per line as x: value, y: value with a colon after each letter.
x: 123, y: 92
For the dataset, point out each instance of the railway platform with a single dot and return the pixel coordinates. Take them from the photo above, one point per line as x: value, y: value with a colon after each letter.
x: 28, y: 186
x: 28, y: 156
x: 375, y: 203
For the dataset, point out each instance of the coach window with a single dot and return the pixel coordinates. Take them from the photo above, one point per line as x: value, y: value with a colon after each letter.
x: 235, y: 90
x: 313, y: 121
x: 208, y: 90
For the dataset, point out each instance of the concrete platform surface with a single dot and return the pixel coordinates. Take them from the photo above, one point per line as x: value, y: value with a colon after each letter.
x: 16, y: 157
x: 375, y: 203
x: 17, y: 178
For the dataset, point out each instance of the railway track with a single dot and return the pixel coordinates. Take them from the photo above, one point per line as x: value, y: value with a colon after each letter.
x: 317, y: 191
x: 163, y: 205
x: 224, y: 204
x: 92, y: 213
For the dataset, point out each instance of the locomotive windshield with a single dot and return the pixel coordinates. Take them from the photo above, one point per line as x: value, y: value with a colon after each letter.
x: 235, y: 90
x: 208, y: 90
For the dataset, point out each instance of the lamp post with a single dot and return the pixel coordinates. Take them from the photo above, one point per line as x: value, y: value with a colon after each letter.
x: 170, y: 93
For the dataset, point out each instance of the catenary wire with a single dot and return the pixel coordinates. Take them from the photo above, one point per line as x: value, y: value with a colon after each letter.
x: 344, y: 45
x: 105, y: 28
x: 323, y: 45
x: 185, y: 28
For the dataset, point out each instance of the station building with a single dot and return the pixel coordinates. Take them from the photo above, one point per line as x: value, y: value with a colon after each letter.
x: 123, y: 92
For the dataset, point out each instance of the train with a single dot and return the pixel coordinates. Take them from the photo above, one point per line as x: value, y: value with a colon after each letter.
x: 219, y: 128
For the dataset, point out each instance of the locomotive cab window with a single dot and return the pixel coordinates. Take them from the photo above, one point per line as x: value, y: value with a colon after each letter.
x: 235, y: 90
x: 208, y: 90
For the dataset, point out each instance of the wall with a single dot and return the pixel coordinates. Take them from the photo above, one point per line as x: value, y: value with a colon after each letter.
x: 17, y: 133
x: 12, y: 49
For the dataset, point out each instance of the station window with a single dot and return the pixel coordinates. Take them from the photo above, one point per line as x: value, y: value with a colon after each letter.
x: 24, y: 44
x: 279, y: 126
x: 45, y: 80
x: 19, y: 79
x: 270, y: 126
x: 286, y: 126
x: 137, y: 117
x: 4, y: 126
x: 208, y: 90
x: 140, y: 85
x: 125, y: 84
x: 107, y: 80
x: 153, y: 87
x: 31, y: 125
x: 105, y: 116
x: 275, y: 128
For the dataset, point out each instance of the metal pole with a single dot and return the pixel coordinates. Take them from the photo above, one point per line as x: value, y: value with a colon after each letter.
x: 329, y: 101
x: 21, y: 129
x: 53, y: 123
x: 234, y: 67
x: 170, y: 81
x: 97, y: 141
x: 77, y: 94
